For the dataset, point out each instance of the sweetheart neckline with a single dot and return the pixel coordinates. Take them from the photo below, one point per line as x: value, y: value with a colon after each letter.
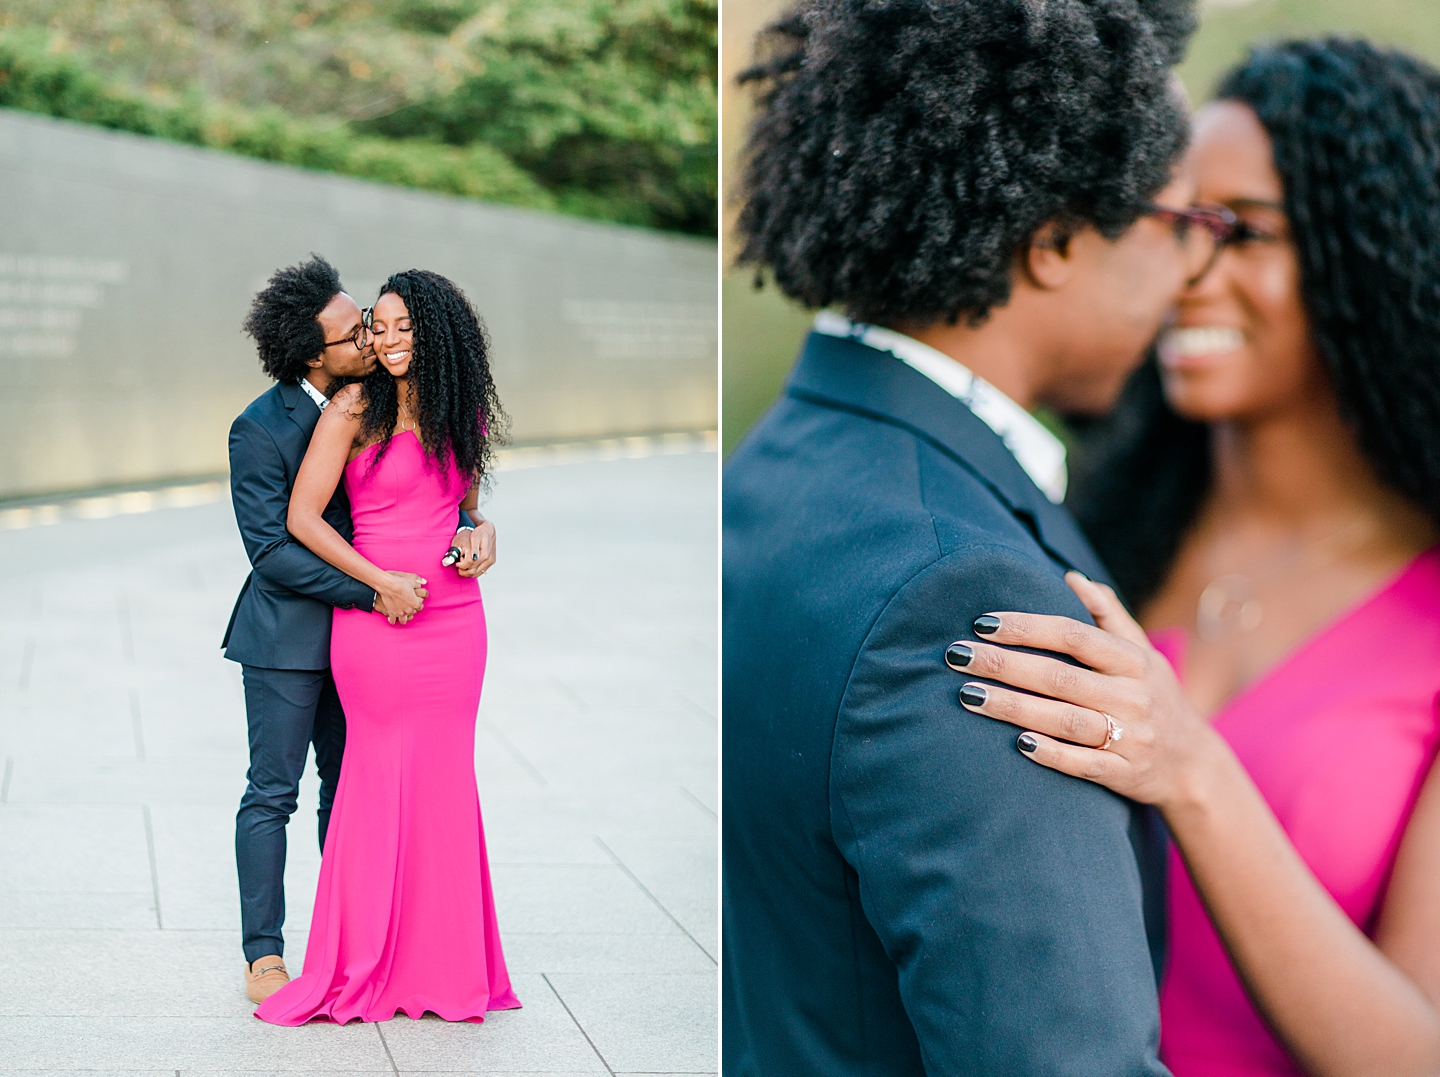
x: 377, y: 444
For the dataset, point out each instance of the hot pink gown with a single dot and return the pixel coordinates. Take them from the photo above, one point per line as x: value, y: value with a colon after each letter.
x: 1339, y: 737
x: 404, y: 919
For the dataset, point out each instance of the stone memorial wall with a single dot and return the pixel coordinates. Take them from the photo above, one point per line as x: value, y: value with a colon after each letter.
x: 127, y: 265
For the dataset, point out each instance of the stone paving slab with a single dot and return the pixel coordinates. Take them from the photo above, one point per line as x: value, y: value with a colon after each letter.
x: 643, y: 1024
x: 185, y: 1043
x: 122, y: 761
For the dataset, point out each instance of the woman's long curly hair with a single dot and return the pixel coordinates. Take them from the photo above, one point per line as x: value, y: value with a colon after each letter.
x: 457, y: 412
x: 1356, y: 137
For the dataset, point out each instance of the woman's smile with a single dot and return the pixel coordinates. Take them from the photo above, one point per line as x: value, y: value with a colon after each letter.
x: 1190, y: 346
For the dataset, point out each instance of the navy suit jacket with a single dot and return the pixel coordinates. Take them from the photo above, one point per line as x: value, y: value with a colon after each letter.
x: 282, y: 618
x: 904, y: 892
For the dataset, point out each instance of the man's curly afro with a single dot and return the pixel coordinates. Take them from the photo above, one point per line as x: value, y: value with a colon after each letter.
x: 905, y: 151
x: 283, y: 317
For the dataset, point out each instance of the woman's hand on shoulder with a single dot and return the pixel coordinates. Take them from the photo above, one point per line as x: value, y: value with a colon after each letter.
x: 1123, y: 722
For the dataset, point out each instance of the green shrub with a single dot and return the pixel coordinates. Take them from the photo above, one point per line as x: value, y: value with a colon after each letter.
x: 608, y: 103
x: 35, y: 77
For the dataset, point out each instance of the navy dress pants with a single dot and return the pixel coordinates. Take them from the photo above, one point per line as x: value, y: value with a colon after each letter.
x: 287, y: 710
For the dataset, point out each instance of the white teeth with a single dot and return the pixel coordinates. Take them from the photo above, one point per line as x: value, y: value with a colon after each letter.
x: 1201, y: 340
x: 395, y: 357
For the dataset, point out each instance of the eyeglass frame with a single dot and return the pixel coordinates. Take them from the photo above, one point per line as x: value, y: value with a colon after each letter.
x: 1220, y: 221
x: 363, y: 333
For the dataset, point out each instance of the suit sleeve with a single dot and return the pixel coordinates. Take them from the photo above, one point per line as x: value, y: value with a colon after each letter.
x: 262, y: 502
x: 1006, y: 894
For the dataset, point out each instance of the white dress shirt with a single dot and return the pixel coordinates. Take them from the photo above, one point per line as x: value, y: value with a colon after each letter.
x: 1040, y: 453
x: 321, y: 401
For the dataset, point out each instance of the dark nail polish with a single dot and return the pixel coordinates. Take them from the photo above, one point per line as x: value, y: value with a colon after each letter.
x: 986, y: 624
x: 972, y: 695
x: 958, y: 655
x: 1026, y: 743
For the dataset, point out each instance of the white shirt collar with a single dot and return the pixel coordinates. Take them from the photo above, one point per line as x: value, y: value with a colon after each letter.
x: 1040, y: 453
x: 321, y: 401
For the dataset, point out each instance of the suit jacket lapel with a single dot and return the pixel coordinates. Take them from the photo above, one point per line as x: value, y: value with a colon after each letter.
x: 302, y: 409
x: 850, y: 375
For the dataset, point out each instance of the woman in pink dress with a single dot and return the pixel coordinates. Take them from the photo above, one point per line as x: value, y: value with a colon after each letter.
x: 1270, y: 504
x: 404, y: 919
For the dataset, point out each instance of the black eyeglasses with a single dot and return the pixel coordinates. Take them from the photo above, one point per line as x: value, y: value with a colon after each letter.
x: 1203, y: 231
x: 361, y: 336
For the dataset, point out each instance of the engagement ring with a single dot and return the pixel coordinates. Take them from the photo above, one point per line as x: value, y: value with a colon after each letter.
x: 1112, y: 731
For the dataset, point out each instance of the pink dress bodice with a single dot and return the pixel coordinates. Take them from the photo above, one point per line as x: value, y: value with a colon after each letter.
x: 403, y: 496
x: 1339, y: 738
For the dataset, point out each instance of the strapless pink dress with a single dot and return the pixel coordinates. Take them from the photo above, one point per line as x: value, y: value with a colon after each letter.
x: 1339, y: 737
x: 404, y: 919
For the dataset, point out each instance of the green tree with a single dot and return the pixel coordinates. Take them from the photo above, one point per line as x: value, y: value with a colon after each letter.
x: 599, y: 108
x: 37, y: 78
x: 610, y: 104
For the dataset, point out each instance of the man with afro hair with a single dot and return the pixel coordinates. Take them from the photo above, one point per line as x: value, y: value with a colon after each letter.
x: 983, y: 199
x: 310, y: 335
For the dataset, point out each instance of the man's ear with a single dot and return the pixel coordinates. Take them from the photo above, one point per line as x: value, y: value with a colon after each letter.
x: 1048, y: 261
x: 317, y: 362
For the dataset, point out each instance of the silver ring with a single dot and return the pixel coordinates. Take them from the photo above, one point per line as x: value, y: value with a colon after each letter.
x: 1112, y: 731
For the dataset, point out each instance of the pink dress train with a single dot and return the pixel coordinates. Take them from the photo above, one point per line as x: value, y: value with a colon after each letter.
x: 1339, y: 737
x: 404, y: 918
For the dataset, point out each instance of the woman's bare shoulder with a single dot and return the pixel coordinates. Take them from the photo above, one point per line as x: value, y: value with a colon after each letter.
x: 350, y: 398
x: 346, y: 406
x: 340, y: 421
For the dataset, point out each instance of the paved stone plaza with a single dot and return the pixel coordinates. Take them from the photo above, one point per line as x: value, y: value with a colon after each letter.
x: 122, y: 737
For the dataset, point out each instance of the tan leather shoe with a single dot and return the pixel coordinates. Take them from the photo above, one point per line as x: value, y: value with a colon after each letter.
x: 265, y: 976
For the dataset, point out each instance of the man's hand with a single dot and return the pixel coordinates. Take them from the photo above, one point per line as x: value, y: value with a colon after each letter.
x: 477, y: 549
x: 401, y: 597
